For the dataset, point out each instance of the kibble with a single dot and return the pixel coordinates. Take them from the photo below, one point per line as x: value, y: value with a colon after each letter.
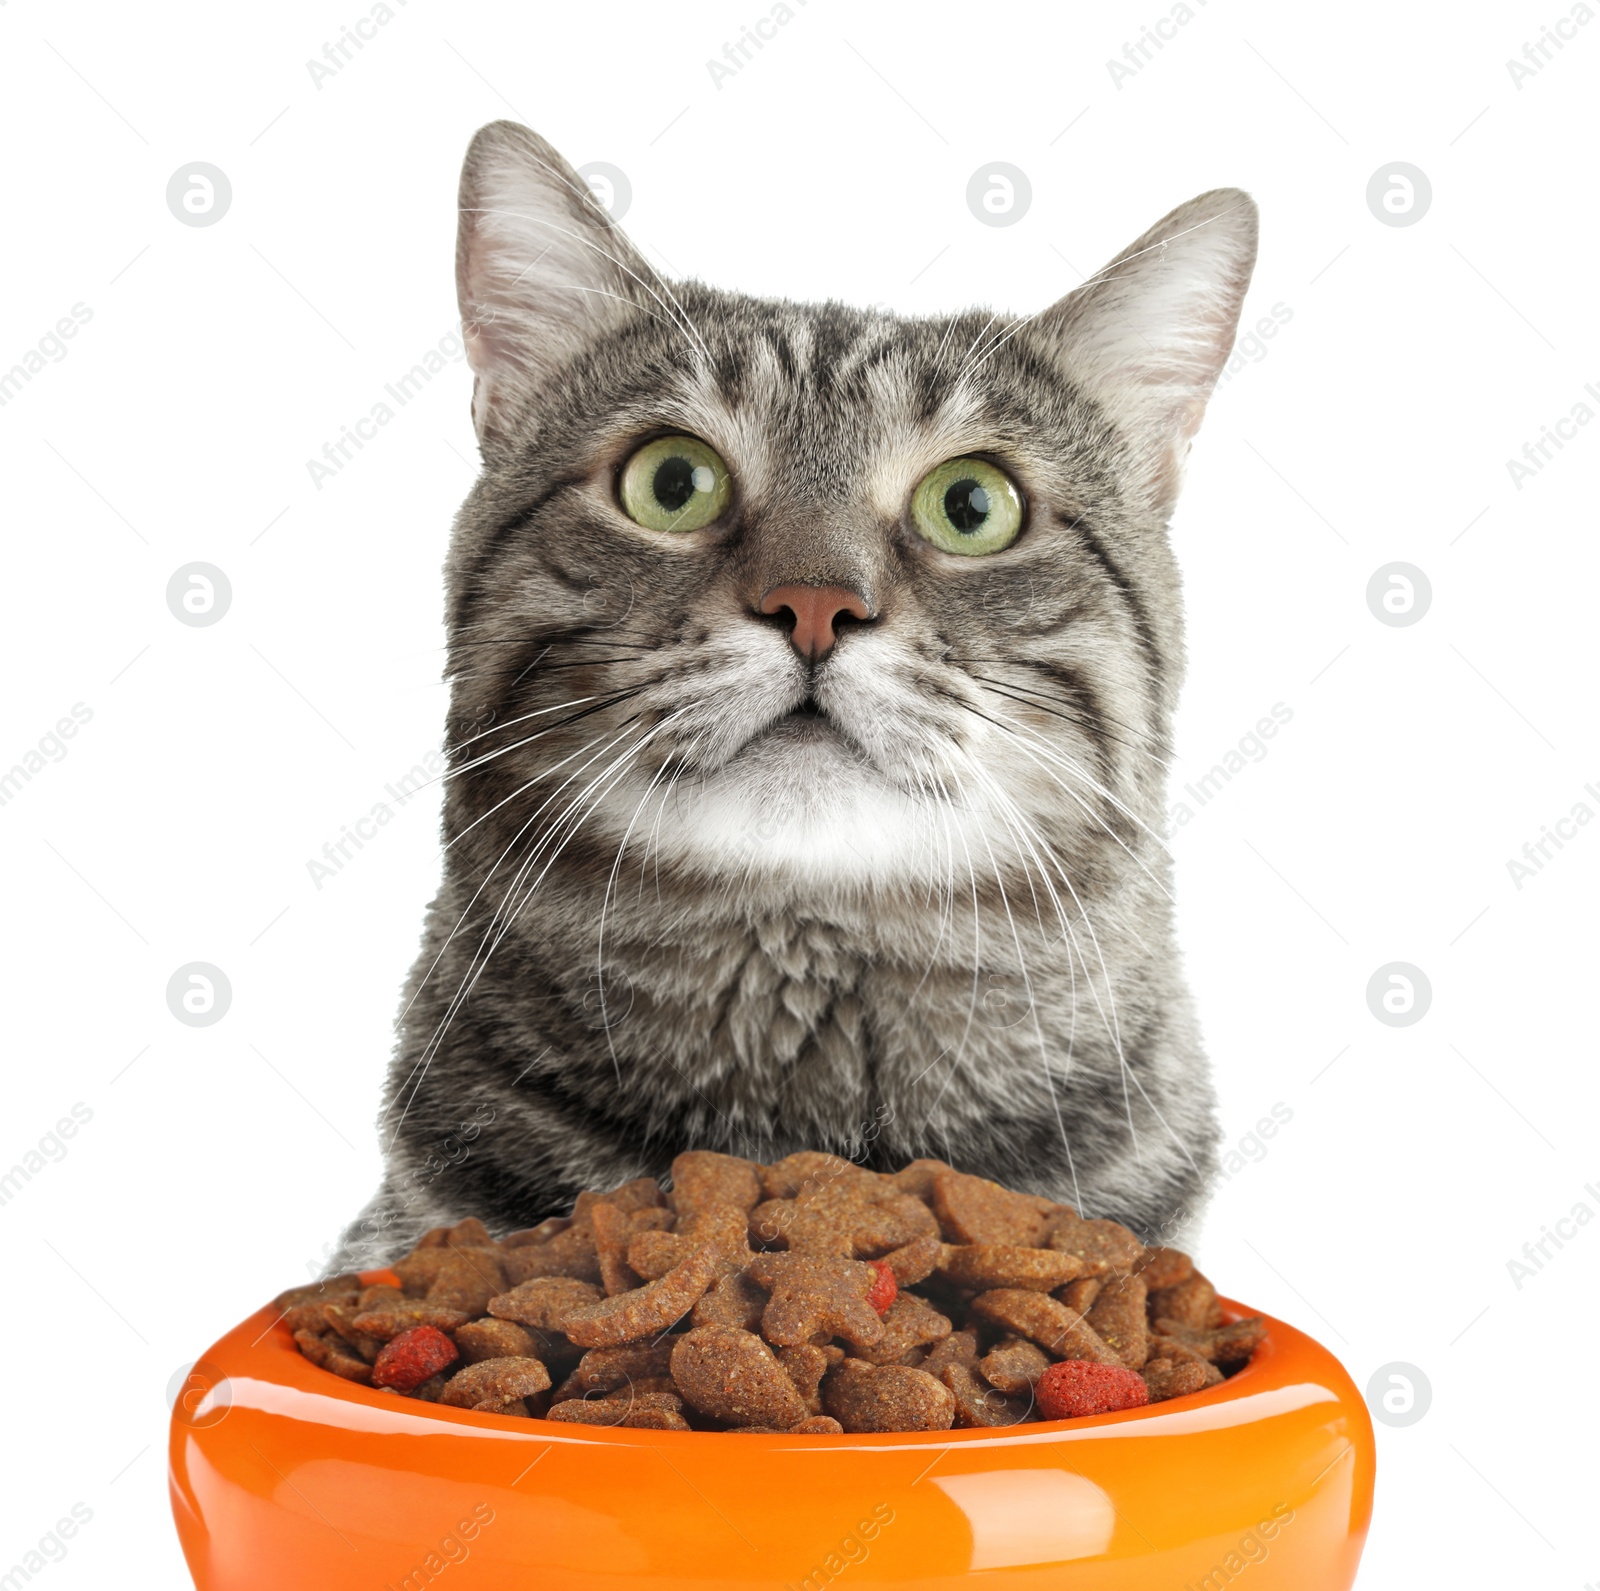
x: 810, y: 1297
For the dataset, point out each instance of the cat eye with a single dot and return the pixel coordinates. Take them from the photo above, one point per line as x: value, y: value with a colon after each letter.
x: 674, y: 483
x: 967, y: 506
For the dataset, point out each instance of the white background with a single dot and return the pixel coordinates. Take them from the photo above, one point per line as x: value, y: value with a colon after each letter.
x: 1418, y: 761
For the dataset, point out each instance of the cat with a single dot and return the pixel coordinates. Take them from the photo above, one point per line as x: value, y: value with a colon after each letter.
x: 812, y: 673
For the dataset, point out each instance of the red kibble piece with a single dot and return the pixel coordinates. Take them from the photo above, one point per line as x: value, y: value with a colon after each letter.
x: 408, y: 1360
x: 1076, y: 1387
x: 883, y: 1291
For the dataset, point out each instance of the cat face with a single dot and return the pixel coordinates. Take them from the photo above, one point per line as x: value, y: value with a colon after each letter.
x: 808, y: 592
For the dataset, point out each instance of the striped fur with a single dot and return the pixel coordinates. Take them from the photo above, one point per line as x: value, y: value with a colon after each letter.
x: 934, y: 921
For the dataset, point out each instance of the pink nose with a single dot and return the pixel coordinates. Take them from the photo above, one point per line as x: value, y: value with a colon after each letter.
x: 816, y: 610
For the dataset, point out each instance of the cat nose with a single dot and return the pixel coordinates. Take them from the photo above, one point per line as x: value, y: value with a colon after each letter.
x: 817, y: 611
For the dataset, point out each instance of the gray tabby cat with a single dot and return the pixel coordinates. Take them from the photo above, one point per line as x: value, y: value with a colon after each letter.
x: 812, y: 673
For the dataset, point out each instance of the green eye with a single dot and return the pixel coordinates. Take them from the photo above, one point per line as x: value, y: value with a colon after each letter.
x: 674, y: 483
x: 967, y: 506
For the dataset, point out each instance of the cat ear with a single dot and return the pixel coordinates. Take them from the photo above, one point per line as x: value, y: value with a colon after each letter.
x: 1147, y: 336
x: 541, y: 268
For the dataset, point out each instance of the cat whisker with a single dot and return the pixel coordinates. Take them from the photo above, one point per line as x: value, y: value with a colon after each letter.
x: 544, y: 773
x: 1022, y: 830
x: 1129, y: 1074
x: 605, y: 904
x: 483, y: 883
x: 977, y: 973
x: 1081, y: 720
x: 522, y: 719
x: 511, y: 906
x: 1041, y: 753
x: 653, y: 843
x: 599, y: 704
x: 489, y: 874
x: 946, y: 897
x: 1027, y: 983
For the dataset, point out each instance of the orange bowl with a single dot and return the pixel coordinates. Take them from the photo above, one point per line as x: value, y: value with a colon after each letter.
x: 284, y: 1475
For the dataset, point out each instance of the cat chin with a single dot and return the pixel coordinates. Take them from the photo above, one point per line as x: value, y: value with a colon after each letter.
x: 806, y: 809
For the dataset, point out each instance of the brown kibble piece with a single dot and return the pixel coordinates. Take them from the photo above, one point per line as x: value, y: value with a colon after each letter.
x: 960, y: 1347
x: 543, y: 1302
x: 812, y: 1425
x: 980, y: 1405
x: 418, y: 1269
x: 1220, y: 1345
x: 806, y: 1365
x: 814, y: 1293
x: 1081, y: 1294
x: 908, y: 1323
x: 467, y: 1280
x: 864, y: 1397
x: 613, y: 1229
x: 653, y: 1254
x: 732, y: 1375
x: 607, y: 1369
x: 1188, y: 1302
x: 305, y: 1317
x: 494, y: 1339
x: 1013, y: 1364
x: 640, y: 1396
x: 570, y: 1252
x: 542, y: 1233
x: 469, y: 1233
x: 817, y: 1425
x: 1104, y: 1247
x: 975, y: 1210
x: 1046, y: 1321
x: 1174, y: 1378
x: 330, y: 1290
x: 576, y: 1411
x: 1164, y: 1267
x: 386, y: 1324
x: 1237, y: 1342
x: 331, y: 1354
x: 640, y: 1194
x: 807, y: 1168
x: 648, y: 1309
x: 988, y: 1265
x: 914, y: 1262
x: 494, y: 1381
x: 917, y: 1177
x: 516, y: 1408
x: 646, y: 1387
x: 1119, y: 1318
x: 735, y: 1300
x: 859, y: 1217
x: 1180, y: 1353
x: 702, y: 1177
x: 341, y: 1317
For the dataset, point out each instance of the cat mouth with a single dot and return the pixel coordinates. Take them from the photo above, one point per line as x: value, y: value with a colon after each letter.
x: 810, y: 724
x: 809, y: 720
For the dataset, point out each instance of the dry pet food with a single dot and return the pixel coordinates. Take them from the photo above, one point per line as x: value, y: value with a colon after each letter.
x: 808, y: 1297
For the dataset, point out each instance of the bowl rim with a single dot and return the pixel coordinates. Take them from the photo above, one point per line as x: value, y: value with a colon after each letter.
x: 264, y: 1334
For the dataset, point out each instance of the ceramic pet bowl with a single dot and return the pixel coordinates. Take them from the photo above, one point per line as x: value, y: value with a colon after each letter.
x: 284, y: 1476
